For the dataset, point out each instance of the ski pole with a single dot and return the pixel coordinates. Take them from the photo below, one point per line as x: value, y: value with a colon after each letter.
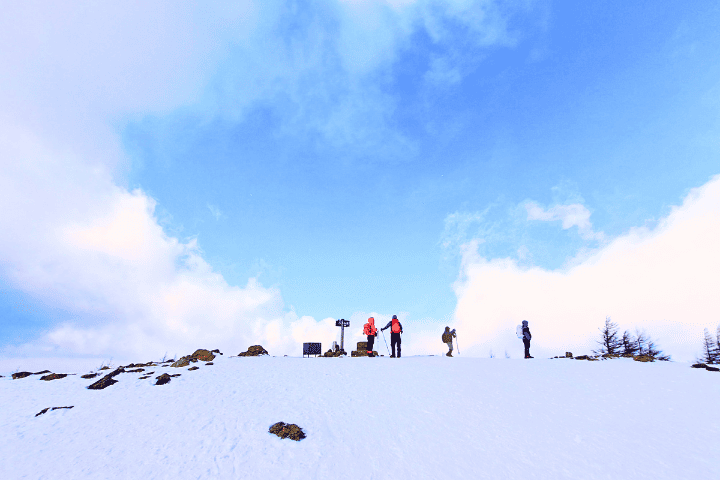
x: 388, y: 350
x: 458, y: 345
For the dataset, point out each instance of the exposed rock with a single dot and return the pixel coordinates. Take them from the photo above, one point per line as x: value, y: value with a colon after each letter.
x: 53, y: 408
x: 335, y: 353
x: 203, y: 355
x: 285, y: 430
x: 176, y: 375
x: 136, y: 365
x: 17, y: 375
x: 362, y: 346
x: 568, y: 355
x: 712, y: 369
x: 163, y: 379
x: 217, y: 351
x: 136, y: 370
x: 209, y: 363
x: 53, y: 376
x: 107, y: 380
x: 254, y: 351
x: 643, y: 358
x: 363, y: 353
x: 184, y: 361
x: 193, y: 368
x: 699, y: 365
x: 40, y: 373
x: 143, y: 378
x: 90, y: 375
x: 105, y: 368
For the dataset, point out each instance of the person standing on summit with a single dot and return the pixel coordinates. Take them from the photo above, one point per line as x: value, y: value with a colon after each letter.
x: 526, y: 338
x: 395, y: 330
x: 371, y: 332
x: 447, y: 338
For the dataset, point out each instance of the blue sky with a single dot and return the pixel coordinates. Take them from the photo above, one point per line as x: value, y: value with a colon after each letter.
x: 346, y: 157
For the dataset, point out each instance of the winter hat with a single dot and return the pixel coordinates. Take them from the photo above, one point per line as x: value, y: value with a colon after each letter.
x: 525, y: 323
x: 447, y: 328
x: 394, y: 316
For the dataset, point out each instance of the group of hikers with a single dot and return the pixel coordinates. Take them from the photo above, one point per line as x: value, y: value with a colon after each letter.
x: 396, y: 329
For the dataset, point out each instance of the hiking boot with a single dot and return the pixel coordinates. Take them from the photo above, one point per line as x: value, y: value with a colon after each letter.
x: 369, y: 354
x: 448, y: 354
x: 392, y: 356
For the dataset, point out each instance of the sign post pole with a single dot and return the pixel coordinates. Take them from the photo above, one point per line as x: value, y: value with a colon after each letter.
x: 342, y: 323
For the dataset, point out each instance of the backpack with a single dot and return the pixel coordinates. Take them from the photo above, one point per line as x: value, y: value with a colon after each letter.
x: 395, y: 326
x: 446, y: 338
x: 519, y: 332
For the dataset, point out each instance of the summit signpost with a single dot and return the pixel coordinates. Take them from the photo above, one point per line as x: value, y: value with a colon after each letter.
x: 342, y: 323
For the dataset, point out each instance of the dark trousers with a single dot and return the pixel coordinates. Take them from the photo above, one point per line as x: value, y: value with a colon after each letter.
x: 371, y: 342
x: 395, y: 339
x: 527, y: 347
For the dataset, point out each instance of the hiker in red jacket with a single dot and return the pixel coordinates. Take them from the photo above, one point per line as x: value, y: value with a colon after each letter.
x: 395, y: 330
x: 371, y: 332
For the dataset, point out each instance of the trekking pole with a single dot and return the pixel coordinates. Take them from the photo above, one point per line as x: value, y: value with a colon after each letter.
x: 388, y: 350
x: 458, y: 345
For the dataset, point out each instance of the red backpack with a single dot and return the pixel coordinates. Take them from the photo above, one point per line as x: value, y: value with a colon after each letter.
x: 395, y: 326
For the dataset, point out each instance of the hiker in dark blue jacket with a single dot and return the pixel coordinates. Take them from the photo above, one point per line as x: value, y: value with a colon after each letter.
x: 395, y: 330
x: 526, y: 338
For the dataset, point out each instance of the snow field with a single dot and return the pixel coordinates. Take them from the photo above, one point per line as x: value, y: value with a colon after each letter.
x: 376, y: 418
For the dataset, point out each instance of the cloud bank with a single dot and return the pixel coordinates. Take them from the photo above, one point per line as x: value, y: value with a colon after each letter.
x: 91, y: 249
x: 664, y: 280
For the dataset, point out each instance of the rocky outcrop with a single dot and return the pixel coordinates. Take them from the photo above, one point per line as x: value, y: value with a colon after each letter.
x: 254, y: 351
x: 362, y: 351
x: 89, y: 375
x: 193, y: 368
x: 287, y: 430
x: 107, y: 380
x: 643, y: 358
x: 183, y: 362
x: 165, y: 378
x: 53, y: 376
x: 203, y: 355
x: 27, y: 374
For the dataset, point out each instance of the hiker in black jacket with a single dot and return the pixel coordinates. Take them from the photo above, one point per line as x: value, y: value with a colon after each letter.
x: 526, y: 338
x: 395, y: 330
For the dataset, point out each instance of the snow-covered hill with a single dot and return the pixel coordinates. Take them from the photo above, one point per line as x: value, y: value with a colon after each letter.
x: 370, y: 418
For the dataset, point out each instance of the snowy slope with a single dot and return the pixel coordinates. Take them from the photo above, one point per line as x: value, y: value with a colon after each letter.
x: 370, y: 418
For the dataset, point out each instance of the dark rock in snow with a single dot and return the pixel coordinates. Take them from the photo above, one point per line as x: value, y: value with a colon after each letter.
x: 107, y: 380
x: 53, y: 376
x: 254, y: 351
x: 90, y: 375
x: 699, y: 365
x: 163, y: 379
x: 209, y: 363
x: 17, y: 375
x: 193, y: 368
x: 203, y: 355
x: 285, y: 430
x: 643, y: 358
x: 712, y: 369
x: 53, y: 408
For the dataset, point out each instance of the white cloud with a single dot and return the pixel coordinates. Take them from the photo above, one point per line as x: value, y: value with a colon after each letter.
x: 664, y: 280
x: 574, y: 215
x: 74, y: 238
